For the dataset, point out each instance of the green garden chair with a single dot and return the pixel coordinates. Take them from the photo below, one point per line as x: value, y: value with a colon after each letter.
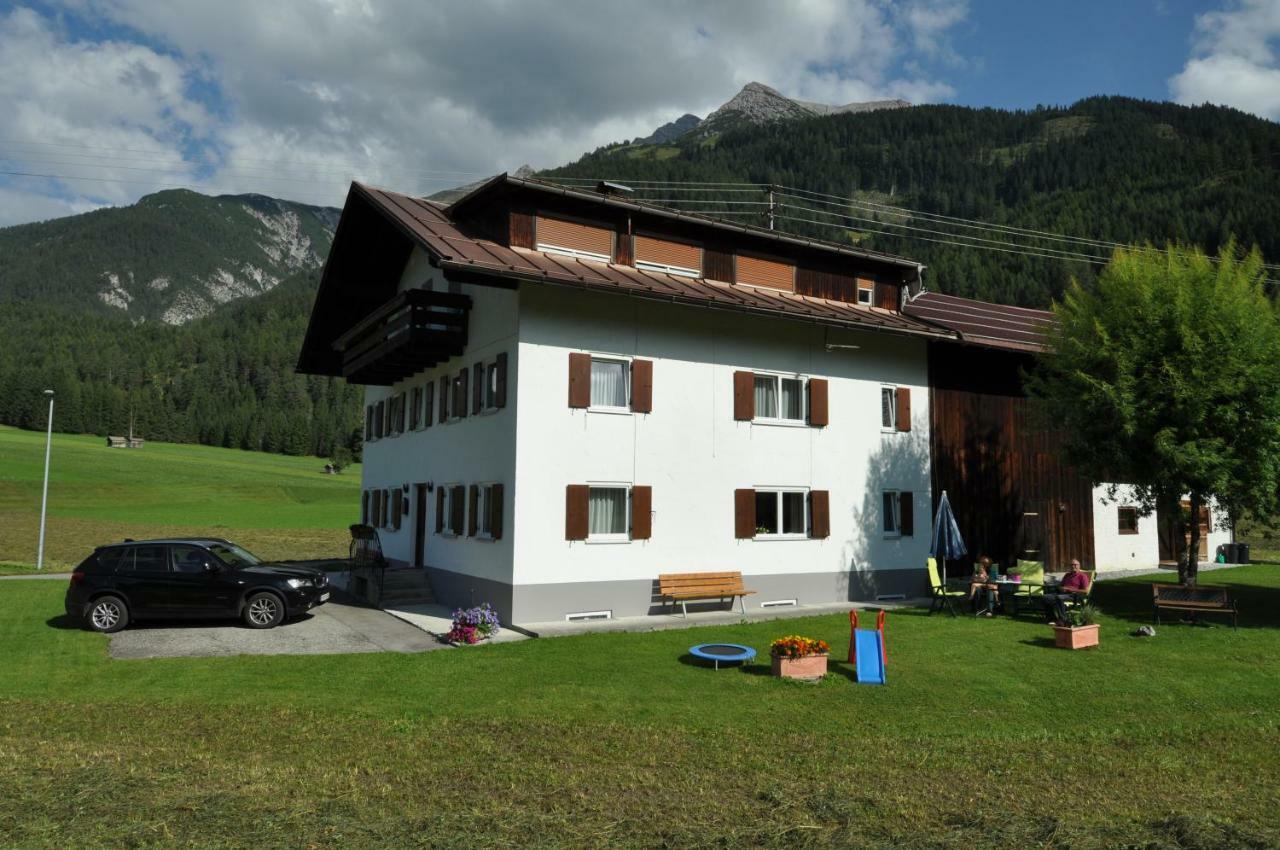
x: 1031, y: 596
x: 941, y: 596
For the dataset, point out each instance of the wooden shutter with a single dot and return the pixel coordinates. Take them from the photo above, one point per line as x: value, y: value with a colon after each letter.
x: 364, y: 508
x: 641, y: 512
x: 717, y: 265
x: 570, y: 235
x: 642, y: 386
x: 429, y: 406
x: 902, y: 397
x: 819, y: 514
x: 906, y: 513
x: 400, y: 406
x: 461, y: 399
x: 397, y: 508
x: 818, y: 402
x: 477, y: 388
x: 445, y: 384
x: 575, y: 512
x: 500, y: 392
x: 457, y: 508
x: 473, y: 504
x: 664, y: 252
x: 761, y: 272
x: 623, y: 247
x: 744, y: 396
x: 495, y: 512
x: 579, y: 379
x: 440, y: 491
x: 744, y: 514
x: 520, y: 230
x: 368, y: 422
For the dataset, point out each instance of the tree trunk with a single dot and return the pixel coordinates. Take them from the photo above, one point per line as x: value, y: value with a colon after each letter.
x: 1193, y: 549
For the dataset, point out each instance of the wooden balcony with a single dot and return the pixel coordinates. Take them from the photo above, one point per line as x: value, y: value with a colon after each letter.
x: 413, y: 331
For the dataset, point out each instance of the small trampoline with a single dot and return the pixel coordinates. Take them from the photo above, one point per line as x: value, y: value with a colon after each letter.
x: 722, y: 652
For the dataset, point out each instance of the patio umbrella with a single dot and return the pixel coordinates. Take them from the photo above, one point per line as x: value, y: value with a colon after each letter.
x: 947, y: 542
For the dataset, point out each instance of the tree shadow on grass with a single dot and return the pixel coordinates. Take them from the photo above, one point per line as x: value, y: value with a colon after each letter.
x: 1131, y: 600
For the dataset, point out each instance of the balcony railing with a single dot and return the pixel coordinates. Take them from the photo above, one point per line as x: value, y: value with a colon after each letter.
x: 413, y: 331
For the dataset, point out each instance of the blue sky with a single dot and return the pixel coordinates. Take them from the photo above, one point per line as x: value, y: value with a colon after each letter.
x: 107, y: 100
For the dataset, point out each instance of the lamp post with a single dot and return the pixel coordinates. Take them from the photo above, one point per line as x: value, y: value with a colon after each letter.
x: 44, y: 499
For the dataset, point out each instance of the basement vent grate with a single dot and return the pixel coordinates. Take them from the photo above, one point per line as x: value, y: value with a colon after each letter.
x: 890, y: 597
x: 779, y: 603
x: 584, y: 616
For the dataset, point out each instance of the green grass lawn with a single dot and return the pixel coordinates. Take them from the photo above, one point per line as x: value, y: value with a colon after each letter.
x: 985, y: 736
x: 277, y: 506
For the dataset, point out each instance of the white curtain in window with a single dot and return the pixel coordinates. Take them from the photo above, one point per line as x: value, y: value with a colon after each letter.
x: 607, y: 510
x: 608, y: 383
x: 766, y: 397
x: 792, y: 398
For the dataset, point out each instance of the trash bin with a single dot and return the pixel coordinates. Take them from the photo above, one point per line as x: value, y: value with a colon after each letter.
x: 1242, y: 553
x: 1224, y: 553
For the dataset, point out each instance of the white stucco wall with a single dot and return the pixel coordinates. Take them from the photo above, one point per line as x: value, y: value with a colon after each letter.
x: 476, y: 449
x: 1116, y: 551
x: 693, y: 453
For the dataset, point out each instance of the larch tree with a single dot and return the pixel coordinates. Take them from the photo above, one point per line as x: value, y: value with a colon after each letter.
x: 1166, y: 376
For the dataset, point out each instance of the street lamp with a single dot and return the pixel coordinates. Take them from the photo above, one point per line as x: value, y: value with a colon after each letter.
x: 44, y: 500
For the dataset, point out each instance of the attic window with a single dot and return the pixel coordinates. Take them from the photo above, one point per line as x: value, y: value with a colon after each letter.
x: 664, y: 255
x: 761, y: 272
x: 573, y: 239
x: 866, y: 290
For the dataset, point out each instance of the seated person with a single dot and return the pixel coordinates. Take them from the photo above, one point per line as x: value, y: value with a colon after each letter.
x: 980, y: 584
x: 1074, y: 585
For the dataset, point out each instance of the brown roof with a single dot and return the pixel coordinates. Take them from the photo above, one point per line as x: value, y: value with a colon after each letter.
x: 429, y: 224
x: 984, y: 323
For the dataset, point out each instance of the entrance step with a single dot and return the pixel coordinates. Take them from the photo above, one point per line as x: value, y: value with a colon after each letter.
x: 406, y: 587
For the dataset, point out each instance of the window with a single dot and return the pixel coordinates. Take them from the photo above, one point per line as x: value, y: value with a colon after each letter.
x: 892, y: 514
x: 150, y: 559
x: 607, y: 513
x: 781, y: 513
x: 385, y: 496
x: 609, y: 384
x: 491, y: 386
x: 455, y: 508
x: 189, y: 559
x: 889, y: 408
x: 484, y: 511
x: 379, y: 419
x: 458, y: 404
x: 415, y: 408
x: 779, y: 398
x: 1127, y: 520
x: 866, y: 291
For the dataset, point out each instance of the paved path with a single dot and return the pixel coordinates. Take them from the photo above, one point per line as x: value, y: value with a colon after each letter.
x: 334, y: 628
x: 39, y: 576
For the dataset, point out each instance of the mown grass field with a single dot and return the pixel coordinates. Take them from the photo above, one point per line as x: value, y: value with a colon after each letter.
x: 276, y: 506
x: 985, y: 736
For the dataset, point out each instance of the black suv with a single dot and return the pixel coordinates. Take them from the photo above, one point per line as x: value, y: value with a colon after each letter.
x: 188, y: 579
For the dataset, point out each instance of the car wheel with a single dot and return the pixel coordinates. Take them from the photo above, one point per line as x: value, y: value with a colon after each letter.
x: 107, y: 614
x: 263, y: 611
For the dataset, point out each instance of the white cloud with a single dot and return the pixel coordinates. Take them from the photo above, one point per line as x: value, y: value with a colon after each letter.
x: 1234, y: 61
x: 423, y: 96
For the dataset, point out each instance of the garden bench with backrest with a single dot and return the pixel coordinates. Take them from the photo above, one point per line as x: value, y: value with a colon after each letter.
x: 1193, y: 600
x: 689, y: 587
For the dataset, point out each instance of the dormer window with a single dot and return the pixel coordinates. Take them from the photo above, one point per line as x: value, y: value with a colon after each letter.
x: 573, y: 239
x: 667, y: 256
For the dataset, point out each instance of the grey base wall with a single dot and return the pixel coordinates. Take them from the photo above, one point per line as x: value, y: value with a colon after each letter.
x: 459, y: 590
x: 535, y: 603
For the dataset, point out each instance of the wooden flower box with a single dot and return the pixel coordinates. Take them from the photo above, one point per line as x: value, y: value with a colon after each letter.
x: 804, y: 667
x: 1075, y: 637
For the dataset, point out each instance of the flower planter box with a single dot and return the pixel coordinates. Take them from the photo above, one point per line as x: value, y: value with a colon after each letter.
x: 805, y: 667
x: 1075, y: 637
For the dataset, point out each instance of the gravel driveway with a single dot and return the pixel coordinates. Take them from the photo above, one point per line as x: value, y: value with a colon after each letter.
x: 336, y: 627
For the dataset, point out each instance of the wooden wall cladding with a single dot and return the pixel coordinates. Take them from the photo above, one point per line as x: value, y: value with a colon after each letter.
x: 887, y: 296
x: 717, y: 264
x: 520, y: 234
x: 761, y: 272
x: 1002, y: 470
x: 825, y: 284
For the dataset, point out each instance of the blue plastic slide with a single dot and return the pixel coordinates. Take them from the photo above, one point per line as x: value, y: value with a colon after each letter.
x: 870, y: 658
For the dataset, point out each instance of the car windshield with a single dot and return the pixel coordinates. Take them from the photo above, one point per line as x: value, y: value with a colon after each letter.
x: 233, y: 556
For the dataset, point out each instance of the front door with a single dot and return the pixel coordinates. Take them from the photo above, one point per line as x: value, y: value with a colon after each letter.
x: 420, y: 525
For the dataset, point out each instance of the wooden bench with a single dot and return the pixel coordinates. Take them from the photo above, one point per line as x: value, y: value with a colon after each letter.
x: 1197, y: 600
x: 684, y: 587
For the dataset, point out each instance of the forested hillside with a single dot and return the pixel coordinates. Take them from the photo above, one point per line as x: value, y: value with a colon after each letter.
x: 1106, y: 168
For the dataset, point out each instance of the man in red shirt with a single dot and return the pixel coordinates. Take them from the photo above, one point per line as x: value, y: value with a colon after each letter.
x: 1074, y: 585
